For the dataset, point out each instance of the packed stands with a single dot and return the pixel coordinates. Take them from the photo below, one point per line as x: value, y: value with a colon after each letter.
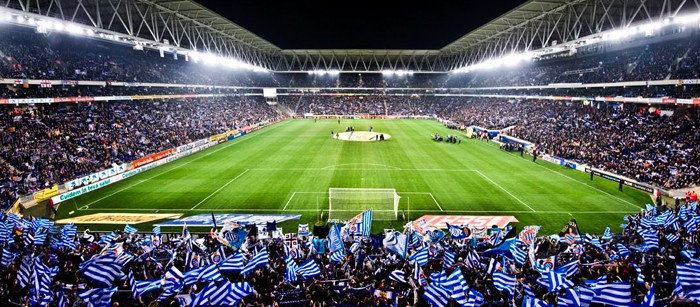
x: 654, y: 257
x: 51, y: 144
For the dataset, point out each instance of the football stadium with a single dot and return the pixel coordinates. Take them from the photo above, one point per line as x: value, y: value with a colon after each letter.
x: 206, y: 153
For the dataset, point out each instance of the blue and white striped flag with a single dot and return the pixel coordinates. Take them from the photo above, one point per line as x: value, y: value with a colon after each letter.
x: 459, y: 294
x: 338, y: 255
x: 156, y: 230
x: 607, y: 235
x: 97, y: 297
x: 213, y: 295
x: 290, y: 272
x: 190, y: 277
x: 504, y: 282
x: 101, y: 270
x: 438, y: 277
x: 420, y: 256
x: 677, y: 288
x: 107, y: 239
x: 473, y: 259
x: 449, y: 259
x: 142, y: 287
x: 530, y: 301
x: 436, y: 295
x: 596, y: 243
x: 614, y: 294
x: 672, y: 237
x: 24, y: 272
x: 233, y: 263
x: 240, y: 290
x: 475, y: 298
x: 689, y: 275
x: 4, y: 232
x: 519, y: 254
x: 568, y: 299
x: 7, y: 257
x: 418, y: 275
x: 640, y: 275
x: 398, y: 276
x: 309, y: 269
x: 456, y: 278
x: 568, y: 269
x: 130, y: 229
x: 624, y: 252
x: 260, y: 259
x: 651, y: 241
x: 210, y: 273
x: 649, y: 300
x: 554, y: 281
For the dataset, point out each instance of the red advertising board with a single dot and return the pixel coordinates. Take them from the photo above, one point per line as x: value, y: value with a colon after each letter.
x: 151, y: 158
x: 696, y: 100
x: 438, y: 221
x: 668, y: 100
x: 3, y: 101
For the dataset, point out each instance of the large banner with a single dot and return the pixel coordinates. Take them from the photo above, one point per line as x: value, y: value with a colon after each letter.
x: 205, y: 220
x: 152, y: 158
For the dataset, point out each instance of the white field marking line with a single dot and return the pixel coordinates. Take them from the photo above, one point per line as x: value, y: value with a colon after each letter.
x: 288, y: 201
x: 174, y: 168
x: 436, y: 202
x: 349, y: 164
x: 219, y: 189
x: 314, y: 210
x: 592, y: 187
x: 504, y: 190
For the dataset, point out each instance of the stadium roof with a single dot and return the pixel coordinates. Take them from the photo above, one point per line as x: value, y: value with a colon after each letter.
x: 187, y: 24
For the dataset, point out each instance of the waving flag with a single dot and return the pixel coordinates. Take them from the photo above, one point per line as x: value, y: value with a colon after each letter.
x: 260, y: 259
x: 459, y: 294
x: 528, y: 234
x: 214, y: 294
x: 103, y: 270
x: 689, y: 275
x: 7, y: 257
x: 569, y: 298
x: 458, y: 232
x: 338, y: 256
x: 518, y: 253
x: 210, y: 273
x: 290, y: 273
x: 398, y: 276
x: 672, y: 237
x: 25, y: 270
x: 651, y: 241
x: 419, y: 276
x: 436, y: 295
x: 97, y: 297
x: 554, y: 281
x: 240, y: 290
x: 624, y: 252
x: 607, y: 235
x: 614, y: 294
x: 130, y: 229
x: 420, y: 256
x: 568, y: 269
x: 456, y: 278
x: 141, y: 287
x: 397, y: 243
x: 309, y: 269
x: 360, y: 225
x: 449, y: 259
x: 475, y: 298
x: 504, y: 282
x: 335, y: 242
x: 233, y: 263
x: 649, y: 300
x: 107, y: 239
x: 191, y: 276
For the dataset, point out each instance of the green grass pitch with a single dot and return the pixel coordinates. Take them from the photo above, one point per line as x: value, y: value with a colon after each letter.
x: 288, y: 168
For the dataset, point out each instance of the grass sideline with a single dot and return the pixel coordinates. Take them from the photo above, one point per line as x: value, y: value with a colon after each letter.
x: 288, y: 168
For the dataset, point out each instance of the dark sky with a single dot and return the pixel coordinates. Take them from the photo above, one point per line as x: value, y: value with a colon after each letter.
x: 360, y: 24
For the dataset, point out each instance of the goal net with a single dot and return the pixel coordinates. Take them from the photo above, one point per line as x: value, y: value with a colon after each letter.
x: 345, y: 203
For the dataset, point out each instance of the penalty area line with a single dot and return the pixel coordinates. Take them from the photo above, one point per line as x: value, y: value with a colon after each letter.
x: 288, y: 201
x: 219, y: 189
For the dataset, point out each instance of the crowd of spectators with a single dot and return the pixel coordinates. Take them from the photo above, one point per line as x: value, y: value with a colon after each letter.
x: 44, y: 264
x: 49, y: 144
x: 25, y: 54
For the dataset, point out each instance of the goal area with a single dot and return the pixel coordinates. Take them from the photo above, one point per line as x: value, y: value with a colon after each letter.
x: 345, y: 203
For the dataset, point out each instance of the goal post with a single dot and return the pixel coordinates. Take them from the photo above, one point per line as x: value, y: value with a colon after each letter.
x: 345, y: 203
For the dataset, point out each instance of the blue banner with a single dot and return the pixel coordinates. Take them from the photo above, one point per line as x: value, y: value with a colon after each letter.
x: 205, y: 220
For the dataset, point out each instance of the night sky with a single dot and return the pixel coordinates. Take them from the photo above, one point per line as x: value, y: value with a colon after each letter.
x: 360, y: 24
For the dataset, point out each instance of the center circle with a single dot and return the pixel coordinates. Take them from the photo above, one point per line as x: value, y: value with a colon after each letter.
x: 361, y: 136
